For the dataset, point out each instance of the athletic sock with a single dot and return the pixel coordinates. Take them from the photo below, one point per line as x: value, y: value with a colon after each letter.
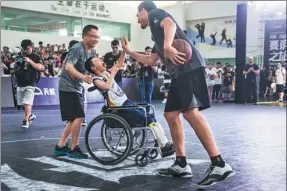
x: 217, y: 161
x: 181, y: 161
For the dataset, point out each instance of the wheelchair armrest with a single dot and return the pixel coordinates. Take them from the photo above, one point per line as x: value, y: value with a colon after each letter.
x: 93, y: 88
x: 124, y: 107
x: 144, y: 104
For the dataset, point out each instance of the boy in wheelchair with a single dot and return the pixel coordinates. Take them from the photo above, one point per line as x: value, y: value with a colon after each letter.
x: 104, y: 80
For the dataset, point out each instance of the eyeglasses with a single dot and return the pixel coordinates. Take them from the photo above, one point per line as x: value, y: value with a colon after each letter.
x: 93, y: 36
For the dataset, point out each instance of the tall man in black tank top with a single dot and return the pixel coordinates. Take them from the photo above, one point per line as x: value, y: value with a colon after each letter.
x: 188, y: 92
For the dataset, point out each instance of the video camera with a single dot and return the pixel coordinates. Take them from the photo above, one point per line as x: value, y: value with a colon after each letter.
x: 18, y: 56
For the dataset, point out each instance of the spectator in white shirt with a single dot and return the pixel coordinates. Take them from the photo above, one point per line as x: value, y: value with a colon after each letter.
x: 280, y: 79
x: 217, y: 81
x: 210, y: 77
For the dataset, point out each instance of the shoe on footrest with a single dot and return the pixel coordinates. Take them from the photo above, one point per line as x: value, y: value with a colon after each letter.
x: 167, y: 150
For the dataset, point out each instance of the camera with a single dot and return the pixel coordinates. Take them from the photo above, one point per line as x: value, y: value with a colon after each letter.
x: 18, y: 56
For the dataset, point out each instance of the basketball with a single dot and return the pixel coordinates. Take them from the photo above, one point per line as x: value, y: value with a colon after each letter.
x: 183, y: 47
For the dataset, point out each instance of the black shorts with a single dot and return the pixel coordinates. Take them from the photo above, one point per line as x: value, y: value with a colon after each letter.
x: 71, y: 105
x: 188, y: 91
x: 279, y: 88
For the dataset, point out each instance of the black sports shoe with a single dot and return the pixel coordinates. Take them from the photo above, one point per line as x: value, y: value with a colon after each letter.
x: 167, y: 150
x: 215, y: 174
x: 61, y: 150
x: 77, y: 153
x: 176, y: 171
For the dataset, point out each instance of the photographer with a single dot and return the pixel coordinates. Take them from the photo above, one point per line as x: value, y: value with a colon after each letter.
x: 27, y: 73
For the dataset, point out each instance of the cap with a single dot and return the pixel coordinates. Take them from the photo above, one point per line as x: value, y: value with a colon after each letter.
x: 25, y: 43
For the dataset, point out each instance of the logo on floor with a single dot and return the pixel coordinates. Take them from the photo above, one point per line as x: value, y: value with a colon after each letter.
x: 65, y: 167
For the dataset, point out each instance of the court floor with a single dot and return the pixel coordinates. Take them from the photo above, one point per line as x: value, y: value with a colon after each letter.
x: 252, y: 138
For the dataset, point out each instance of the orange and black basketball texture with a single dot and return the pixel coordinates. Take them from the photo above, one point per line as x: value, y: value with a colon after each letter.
x: 183, y: 47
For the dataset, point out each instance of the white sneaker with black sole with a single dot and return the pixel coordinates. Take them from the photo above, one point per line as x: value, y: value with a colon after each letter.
x: 31, y: 118
x: 176, y: 171
x: 215, y: 174
x: 26, y: 124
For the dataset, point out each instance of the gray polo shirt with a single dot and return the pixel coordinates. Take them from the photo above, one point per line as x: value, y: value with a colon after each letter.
x: 77, y: 57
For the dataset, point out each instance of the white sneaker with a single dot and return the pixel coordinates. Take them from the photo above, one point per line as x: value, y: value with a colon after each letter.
x: 176, y: 171
x: 84, y: 124
x: 164, y: 100
x: 25, y: 124
x: 31, y: 118
x: 215, y: 174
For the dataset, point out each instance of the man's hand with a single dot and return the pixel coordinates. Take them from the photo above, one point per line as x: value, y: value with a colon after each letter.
x: 173, y: 55
x: 114, y: 70
x: 88, y: 79
x: 28, y: 60
x: 125, y: 44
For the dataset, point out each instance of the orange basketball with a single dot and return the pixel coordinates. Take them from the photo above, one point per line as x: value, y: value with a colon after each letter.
x: 183, y: 47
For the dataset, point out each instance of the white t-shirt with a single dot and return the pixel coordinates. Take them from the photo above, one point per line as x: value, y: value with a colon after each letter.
x: 210, y: 82
x: 279, y: 76
x: 218, y: 79
x: 116, y: 96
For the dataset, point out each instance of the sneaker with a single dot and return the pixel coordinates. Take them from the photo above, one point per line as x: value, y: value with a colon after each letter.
x: 31, y: 118
x: 25, y: 124
x: 84, y: 124
x: 61, y: 150
x: 176, y: 171
x: 280, y: 100
x: 167, y: 150
x: 77, y: 153
x: 164, y: 100
x: 215, y: 174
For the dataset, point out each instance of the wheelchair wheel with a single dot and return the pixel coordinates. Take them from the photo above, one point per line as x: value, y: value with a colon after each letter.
x: 138, y: 141
x: 138, y: 136
x: 109, y: 151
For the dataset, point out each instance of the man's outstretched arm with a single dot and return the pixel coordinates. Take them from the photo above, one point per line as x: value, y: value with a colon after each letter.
x: 145, y: 59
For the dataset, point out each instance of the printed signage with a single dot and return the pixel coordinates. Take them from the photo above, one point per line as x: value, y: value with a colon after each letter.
x: 275, y: 43
x: 81, y: 8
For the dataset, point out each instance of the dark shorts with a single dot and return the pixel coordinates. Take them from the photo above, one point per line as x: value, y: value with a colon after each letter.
x: 188, y: 91
x: 279, y: 88
x: 227, y: 89
x: 71, y: 105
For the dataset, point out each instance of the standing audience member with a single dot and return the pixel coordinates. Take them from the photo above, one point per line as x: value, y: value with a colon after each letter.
x: 280, y: 80
x: 111, y: 58
x: 251, y: 71
x: 210, y: 77
x: 71, y: 92
x: 146, y: 82
x: 228, y: 79
x: 217, y: 81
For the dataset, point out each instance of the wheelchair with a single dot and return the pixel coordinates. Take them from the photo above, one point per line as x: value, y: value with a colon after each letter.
x: 135, y: 136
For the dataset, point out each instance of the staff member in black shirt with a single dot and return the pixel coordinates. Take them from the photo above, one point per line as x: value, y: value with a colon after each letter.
x: 251, y: 70
x: 146, y: 75
x: 111, y: 58
x: 228, y: 79
x: 27, y: 73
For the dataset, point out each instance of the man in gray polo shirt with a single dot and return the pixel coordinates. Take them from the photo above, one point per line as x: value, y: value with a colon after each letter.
x: 71, y: 93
